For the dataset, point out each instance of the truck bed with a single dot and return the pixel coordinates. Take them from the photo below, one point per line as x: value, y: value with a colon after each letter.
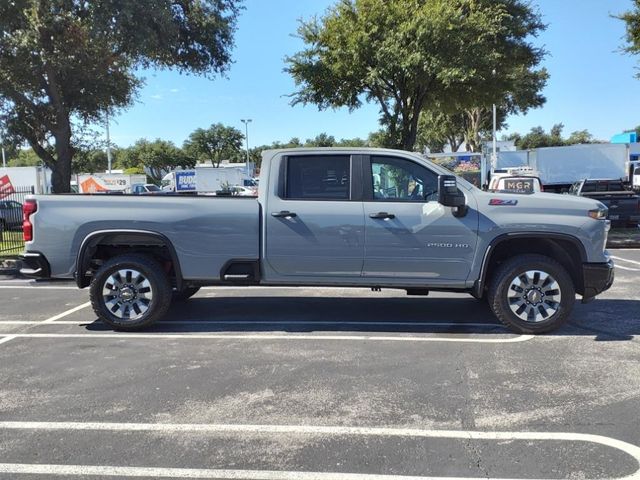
x: 205, y: 231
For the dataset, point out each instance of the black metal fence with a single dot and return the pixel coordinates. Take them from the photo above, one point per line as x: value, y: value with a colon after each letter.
x: 11, y: 200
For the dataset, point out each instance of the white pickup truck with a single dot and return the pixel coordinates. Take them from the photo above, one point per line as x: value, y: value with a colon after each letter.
x: 328, y: 217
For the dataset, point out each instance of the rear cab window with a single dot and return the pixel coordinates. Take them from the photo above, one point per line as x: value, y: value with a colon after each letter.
x: 318, y: 177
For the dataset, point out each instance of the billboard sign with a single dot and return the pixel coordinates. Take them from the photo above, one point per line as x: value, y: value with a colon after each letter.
x: 6, y: 188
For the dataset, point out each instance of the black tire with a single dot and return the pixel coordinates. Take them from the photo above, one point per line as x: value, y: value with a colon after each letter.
x: 185, y: 294
x: 155, y: 283
x: 502, y: 286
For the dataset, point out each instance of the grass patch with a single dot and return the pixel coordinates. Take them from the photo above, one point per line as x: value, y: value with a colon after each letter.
x: 11, y: 243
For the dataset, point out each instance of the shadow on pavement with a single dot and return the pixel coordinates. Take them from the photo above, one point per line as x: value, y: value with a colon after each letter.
x: 610, y: 320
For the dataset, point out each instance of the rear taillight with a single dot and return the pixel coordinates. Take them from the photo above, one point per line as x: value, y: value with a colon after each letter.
x: 28, y: 208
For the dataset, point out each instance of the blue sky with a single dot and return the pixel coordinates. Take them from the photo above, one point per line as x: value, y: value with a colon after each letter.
x: 592, y: 83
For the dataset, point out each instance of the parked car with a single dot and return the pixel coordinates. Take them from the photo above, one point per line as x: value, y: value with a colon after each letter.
x: 623, y: 204
x: 10, y: 214
x: 319, y: 221
x: 146, y: 189
x: 240, y: 191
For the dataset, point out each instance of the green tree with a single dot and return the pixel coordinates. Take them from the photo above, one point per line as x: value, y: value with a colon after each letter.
x: 24, y: 157
x: 631, y: 18
x: 406, y: 55
x: 351, y: 142
x: 64, y: 63
x: 322, y: 140
x: 214, y: 144
x: 157, y: 158
x: 538, y: 137
x: 580, y: 137
x: 93, y: 160
x: 465, y: 128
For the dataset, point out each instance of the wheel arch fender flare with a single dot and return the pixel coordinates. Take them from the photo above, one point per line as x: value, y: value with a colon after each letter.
x: 93, y: 239
x: 505, y: 237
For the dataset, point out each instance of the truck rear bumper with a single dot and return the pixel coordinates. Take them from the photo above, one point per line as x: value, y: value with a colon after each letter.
x: 598, y: 277
x: 34, y: 265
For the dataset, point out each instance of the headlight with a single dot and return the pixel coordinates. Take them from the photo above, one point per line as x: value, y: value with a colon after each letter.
x: 598, y: 213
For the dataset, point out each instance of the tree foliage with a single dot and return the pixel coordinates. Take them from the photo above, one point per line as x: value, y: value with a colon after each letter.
x: 538, y: 138
x: 462, y: 129
x: 214, y: 144
x: 631, y: 19
x: 156, y: 158
x: 64, y: 63
x: 407, y: 55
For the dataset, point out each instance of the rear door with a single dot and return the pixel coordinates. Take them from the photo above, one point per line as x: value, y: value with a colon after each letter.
x: 314, y: 220
x: 408, y: 234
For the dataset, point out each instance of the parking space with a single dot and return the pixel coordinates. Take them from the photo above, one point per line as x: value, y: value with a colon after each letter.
x: 318, y: 384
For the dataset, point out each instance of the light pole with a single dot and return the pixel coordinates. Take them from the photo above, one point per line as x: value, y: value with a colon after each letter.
x: 494, y: 154
x: 246, y: 135
x: 4, y: 158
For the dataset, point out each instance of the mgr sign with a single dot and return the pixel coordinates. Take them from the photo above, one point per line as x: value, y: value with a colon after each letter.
x: 6, y: 188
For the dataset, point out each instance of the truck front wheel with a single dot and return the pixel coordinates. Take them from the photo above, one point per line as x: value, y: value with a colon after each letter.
x: 130, y: 292
x: 532, y: 294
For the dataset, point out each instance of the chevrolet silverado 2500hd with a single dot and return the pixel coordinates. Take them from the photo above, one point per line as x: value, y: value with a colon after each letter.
x: 328, y: 217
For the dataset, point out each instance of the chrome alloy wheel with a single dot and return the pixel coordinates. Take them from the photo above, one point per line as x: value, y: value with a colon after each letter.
x: 534, y: 296
x: 127, y: 294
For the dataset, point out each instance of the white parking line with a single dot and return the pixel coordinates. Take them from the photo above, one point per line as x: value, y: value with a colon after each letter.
x: 269, y: 336
x: 621, y: 267
x: 66, y: 313
x: 22, y: 287
x: 634, y: 262
x: 632, y: 450
x: 7, y: 338
x: 625, y: 260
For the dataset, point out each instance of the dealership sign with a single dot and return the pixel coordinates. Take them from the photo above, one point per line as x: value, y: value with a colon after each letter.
x: 6, y: 188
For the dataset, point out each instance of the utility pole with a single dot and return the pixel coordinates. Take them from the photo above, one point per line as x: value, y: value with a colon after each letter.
x: 108, y: 145
x: 246, y: 136
x: 4, y: 158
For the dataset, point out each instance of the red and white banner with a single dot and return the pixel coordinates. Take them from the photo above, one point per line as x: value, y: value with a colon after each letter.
x: 6, y: 188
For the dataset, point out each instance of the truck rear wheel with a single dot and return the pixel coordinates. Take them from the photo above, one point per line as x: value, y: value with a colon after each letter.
x: 130, y: 292
x: 531, y: 294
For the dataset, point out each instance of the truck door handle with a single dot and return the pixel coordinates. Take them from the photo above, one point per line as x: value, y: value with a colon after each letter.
x: 382, y: 215
x: 284, y: 214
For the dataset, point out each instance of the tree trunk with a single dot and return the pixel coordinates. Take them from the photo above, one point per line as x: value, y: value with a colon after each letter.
x: 61, y: 169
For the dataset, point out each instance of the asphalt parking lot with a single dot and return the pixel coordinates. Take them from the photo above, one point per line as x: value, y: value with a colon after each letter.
x: 320, y: 384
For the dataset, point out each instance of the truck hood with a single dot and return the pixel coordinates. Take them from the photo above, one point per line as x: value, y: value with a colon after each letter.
x: 541, y: 203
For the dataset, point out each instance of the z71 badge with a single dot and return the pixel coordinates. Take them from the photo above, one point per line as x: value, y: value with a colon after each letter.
x: 501, y: 202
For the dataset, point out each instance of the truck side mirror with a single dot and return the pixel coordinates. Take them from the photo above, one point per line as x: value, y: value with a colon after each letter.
x: 448, y: 193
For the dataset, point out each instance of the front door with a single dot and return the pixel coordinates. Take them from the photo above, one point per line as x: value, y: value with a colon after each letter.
x: 315, y: 224
x: 408, y: 234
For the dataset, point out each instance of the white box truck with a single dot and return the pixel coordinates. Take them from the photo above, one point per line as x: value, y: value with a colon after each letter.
x: 560, y: 167
x: 206, y: 180
x: 39, y: 178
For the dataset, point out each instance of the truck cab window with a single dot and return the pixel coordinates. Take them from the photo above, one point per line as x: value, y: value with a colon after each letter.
x: 319, y: 177
x: 399, y: 180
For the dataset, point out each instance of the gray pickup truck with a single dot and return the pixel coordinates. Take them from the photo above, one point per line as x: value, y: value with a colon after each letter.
x: 328, y: 217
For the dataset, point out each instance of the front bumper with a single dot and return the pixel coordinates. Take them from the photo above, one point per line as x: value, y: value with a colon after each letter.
x: 34, y: 265
x: 598, y: 277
